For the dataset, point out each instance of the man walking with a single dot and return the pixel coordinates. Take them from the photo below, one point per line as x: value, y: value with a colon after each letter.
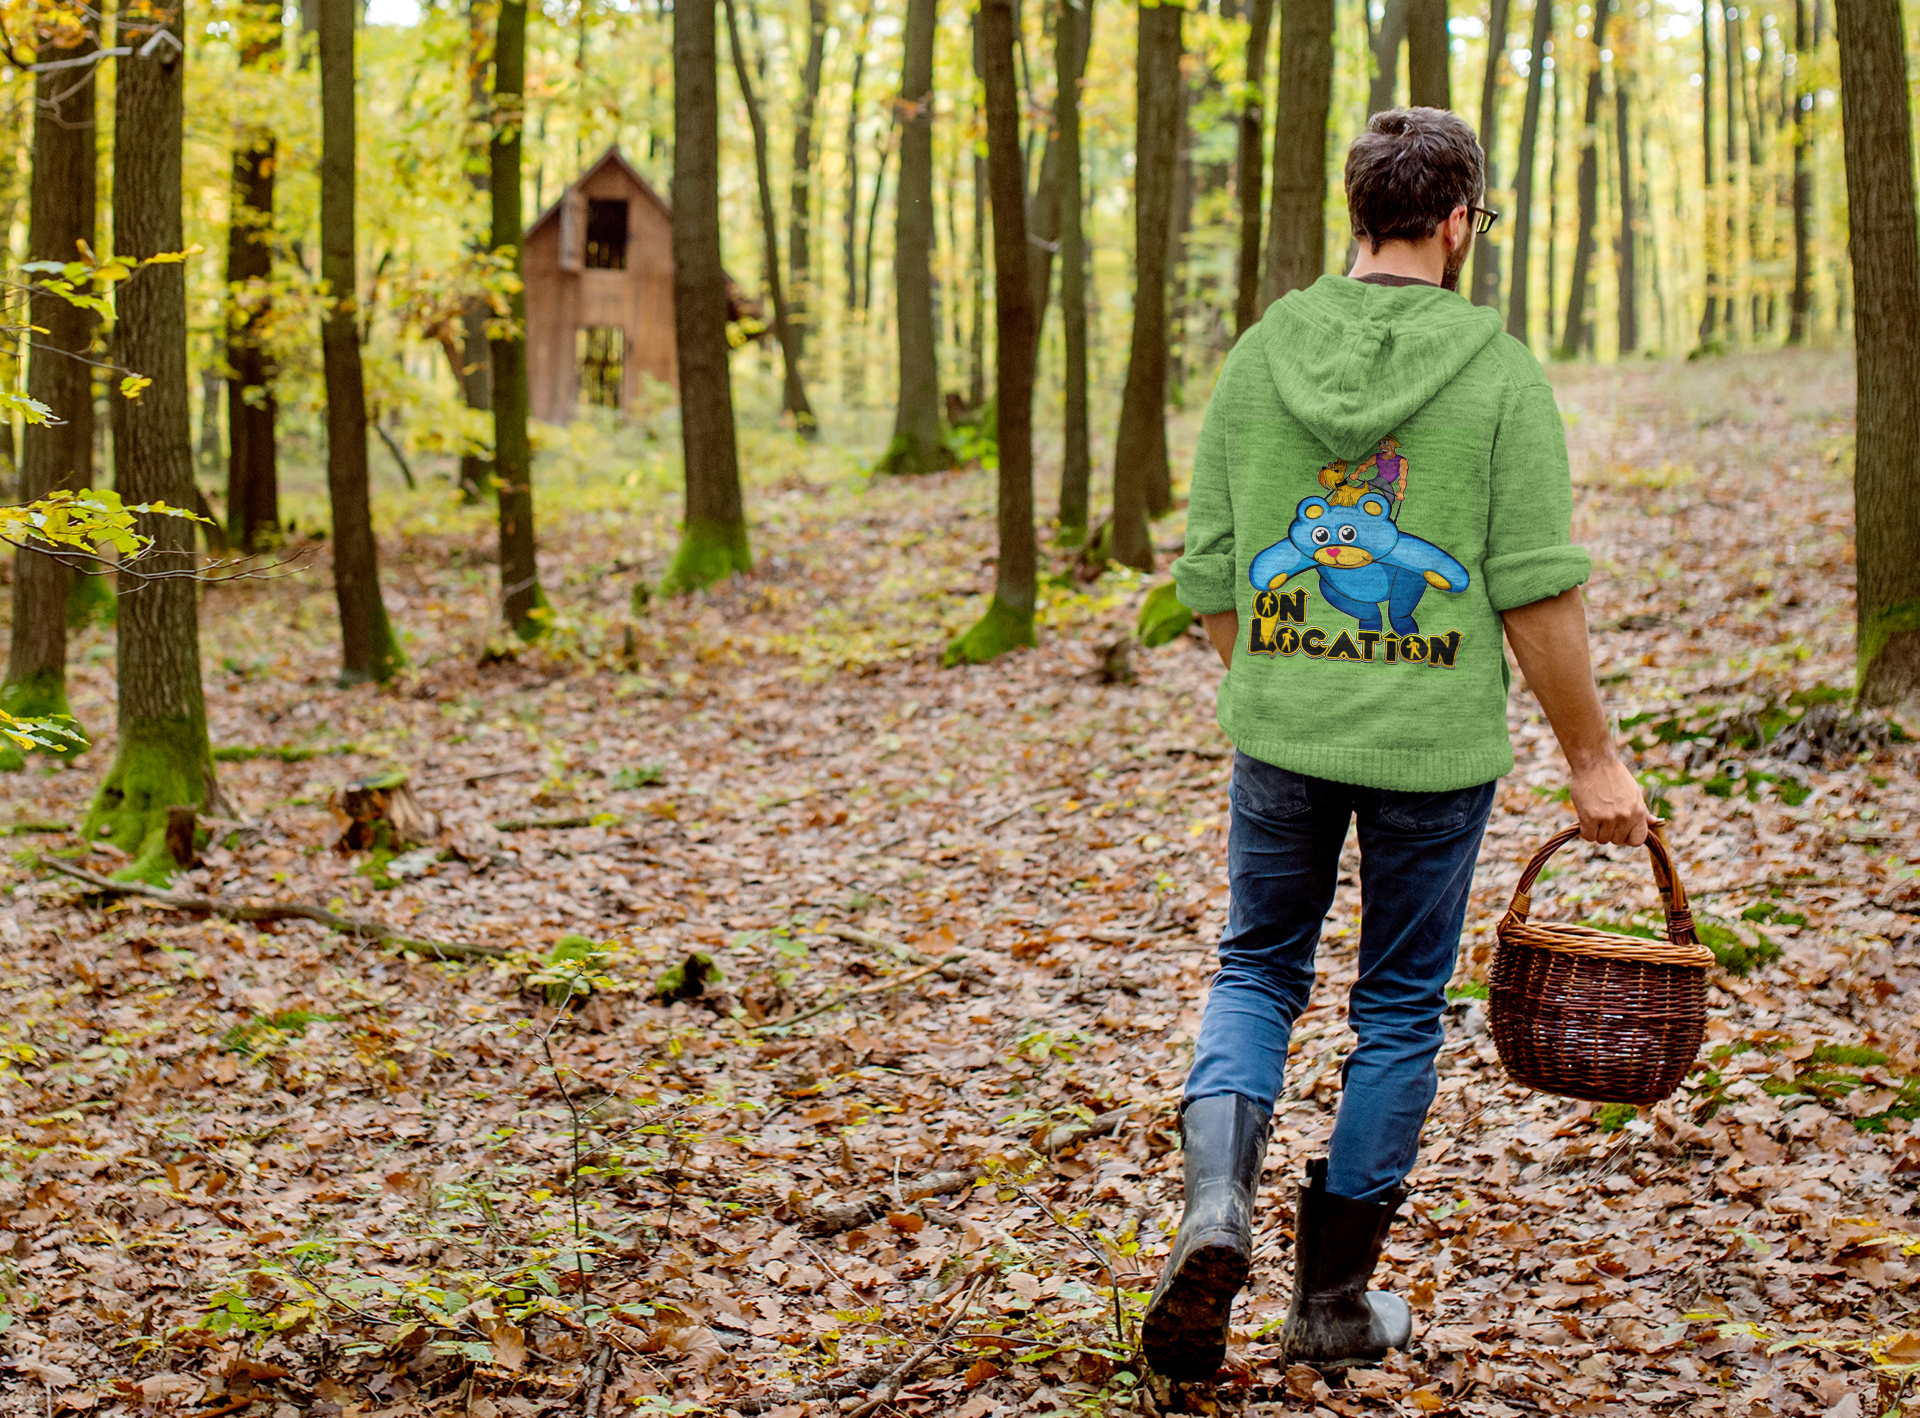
x: 1380, y: 491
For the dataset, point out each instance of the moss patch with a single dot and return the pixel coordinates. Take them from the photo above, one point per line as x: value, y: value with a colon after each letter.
x: 39, y: 696
x: 1001, y: 629
x: 709, y: 552
x: 160, y: 765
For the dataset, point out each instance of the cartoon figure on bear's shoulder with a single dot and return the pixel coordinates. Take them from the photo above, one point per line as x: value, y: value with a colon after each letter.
x: 1383, y: 472
x: 1363, y: 558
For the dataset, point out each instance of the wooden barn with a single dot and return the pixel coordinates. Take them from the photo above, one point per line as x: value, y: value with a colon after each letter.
x: 598, y: 267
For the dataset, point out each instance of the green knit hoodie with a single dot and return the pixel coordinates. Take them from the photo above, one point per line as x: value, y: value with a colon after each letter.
x: 1381, y: 472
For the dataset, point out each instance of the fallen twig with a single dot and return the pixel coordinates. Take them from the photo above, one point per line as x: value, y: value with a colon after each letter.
x: 850, y: 995
x: 597, y: 1380
x: 278, y: 911
x: 853, y: 935
x: 890, y: 1390
x: 537, y: 824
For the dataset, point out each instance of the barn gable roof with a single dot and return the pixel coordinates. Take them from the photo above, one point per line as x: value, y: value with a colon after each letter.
x: 613, y: 156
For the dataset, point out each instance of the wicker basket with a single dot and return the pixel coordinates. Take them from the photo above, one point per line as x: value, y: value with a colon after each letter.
x: 1590, y: 1014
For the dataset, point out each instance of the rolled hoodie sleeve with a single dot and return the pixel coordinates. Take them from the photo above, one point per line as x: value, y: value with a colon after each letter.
x: 1204, y: 575
x: 1530, y: 551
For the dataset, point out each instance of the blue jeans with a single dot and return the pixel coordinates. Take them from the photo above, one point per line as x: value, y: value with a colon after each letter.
x: 1283, y: 858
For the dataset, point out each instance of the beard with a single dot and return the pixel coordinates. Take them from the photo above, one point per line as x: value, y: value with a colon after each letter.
x: 1456, y: 262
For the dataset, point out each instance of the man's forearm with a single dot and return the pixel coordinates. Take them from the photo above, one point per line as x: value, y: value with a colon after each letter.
x: 1223, y: 629
x: 1549, y: 639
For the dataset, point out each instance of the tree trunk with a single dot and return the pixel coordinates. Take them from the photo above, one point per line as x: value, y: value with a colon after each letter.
x: 1730, y: 22
x: 1297, y: 213
x: 1008, y: 622
x: 1250, y: 166
x: 917, y: 446
x: 522, y: 602
x: 163, y: 759
x: 713, y: 539
x: 1801, y: 301
x: 1628, y: 302
x: 1140, y: 444
x: 800, y: 183
x: 1179, y: 228
x: 1073, y: 35
x: 1428, y: 53
x: 1573, y: 330
x: 1553, y: 196
x: 1886, y: 334
x: 1517, y: 292
x: 852, y: 252
x: 793, y: 397
x: 1485, y: 287
x: 60, y: 454
x: 1385, y: 43
x: 977, y: 277
x: 368, y: 650
x: 1710, y: 317
x: 473, y: 367
x: 253, y: 478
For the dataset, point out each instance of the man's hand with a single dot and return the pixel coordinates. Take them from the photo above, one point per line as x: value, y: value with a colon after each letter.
x: 1223, y: 629
x: 1610, y: 804
x: 1549, y: 639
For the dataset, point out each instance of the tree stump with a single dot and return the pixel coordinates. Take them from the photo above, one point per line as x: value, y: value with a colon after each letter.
x: 381, y: 811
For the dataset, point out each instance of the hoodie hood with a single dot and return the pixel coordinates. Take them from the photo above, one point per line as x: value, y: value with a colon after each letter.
x: 1353, y: 361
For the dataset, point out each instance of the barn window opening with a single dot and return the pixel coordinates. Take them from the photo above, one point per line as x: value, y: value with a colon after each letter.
x: 606, y: 234
x: 603, y: 358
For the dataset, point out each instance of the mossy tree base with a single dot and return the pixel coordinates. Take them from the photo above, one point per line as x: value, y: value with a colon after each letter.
x: 388, y: 658
x: 158, y: 766
x: 709, y: 552
x: 1001, y: 629
x: 906, y: 456
x: 39, y: 696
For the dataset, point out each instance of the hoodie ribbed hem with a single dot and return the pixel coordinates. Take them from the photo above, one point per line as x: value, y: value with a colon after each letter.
x: 1402, y: 770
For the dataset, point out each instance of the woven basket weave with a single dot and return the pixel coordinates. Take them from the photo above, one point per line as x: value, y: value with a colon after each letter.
x: 1589, y: 1014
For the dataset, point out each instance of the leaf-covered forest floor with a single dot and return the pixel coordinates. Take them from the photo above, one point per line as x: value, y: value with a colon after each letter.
x: 272, y: 1170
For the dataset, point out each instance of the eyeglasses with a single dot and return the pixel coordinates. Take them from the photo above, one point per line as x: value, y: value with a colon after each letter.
x: 1483, y: 219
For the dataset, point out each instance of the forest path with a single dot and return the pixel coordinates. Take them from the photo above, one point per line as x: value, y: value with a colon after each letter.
x: 275, y: 1171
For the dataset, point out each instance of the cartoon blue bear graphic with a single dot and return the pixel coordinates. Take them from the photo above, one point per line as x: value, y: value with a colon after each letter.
x: 1363, y: 559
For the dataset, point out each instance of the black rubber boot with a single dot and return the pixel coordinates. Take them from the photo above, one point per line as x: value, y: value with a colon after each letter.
x: 1335, y: 1321
x: 1224, y: 1142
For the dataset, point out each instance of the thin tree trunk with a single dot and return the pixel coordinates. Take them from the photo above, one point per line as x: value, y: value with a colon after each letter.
x: 1573, y: 330
x: 1553, y: 196
x: 1043, y: 209
x: 1073, y: 35
x: 58, y: 454
x: 1710, y: 318
x: 1735, y: 69
x: 800, y: 182
x: 1140, y: 444
x: 977, y: 277
x: 1485, y: 289
x: 253, y: 479
x: 1517, y: 289
x: 1179, y: 226
x: 522, y: 602
x: 1628, y: 302
x: 1297, y: 212
x: 854, y: 302
x: 368, y: 650
x: 472, y: 357
x: 1250, y: 166
x: 713, y: 539
x: 1008, y: 622
x: 793, y: 396
x: 917, y: 446
x: 1385, y: 43
x: 1801, y: 301
x: 163, y: 758
x: 1428, y: 55
x: 1886, y: 334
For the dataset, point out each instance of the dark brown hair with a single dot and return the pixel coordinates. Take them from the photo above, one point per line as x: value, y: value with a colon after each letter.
x: 1408, y: 172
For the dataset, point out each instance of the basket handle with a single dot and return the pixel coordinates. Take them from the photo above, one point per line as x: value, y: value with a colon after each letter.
x: 1667, y: 880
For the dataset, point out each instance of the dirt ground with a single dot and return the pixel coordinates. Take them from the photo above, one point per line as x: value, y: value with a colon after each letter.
x: 583, y: 1163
